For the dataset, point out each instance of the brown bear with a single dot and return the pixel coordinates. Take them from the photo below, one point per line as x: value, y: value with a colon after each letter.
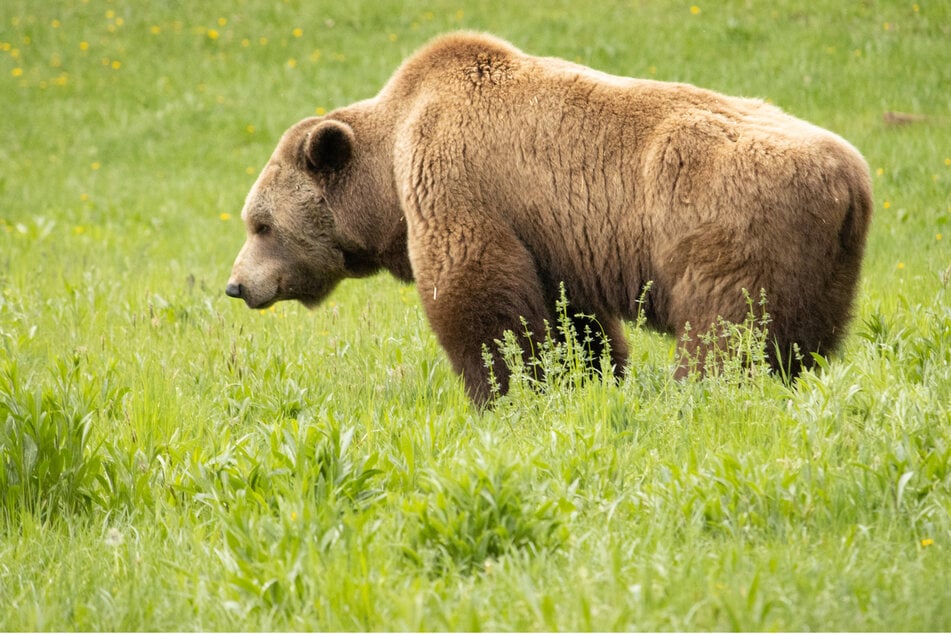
x: 491, y: 177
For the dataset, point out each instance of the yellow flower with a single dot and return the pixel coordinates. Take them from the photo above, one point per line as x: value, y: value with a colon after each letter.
x: 886, y: 204
x: 55, y: 24
x: 880, y: 171
x: 225, y: 216
x: 212, y: 34
x: 96, y: 165
x: 927, y: 541
x: 938, y: 236
x: 250, y: 128
x: 116, y: 64
x: 695, y: 10
x: 155, y: 30
x: 84, y: 46
x: 292, y: 63
x: 900, y: 266
x: 320, y: 111
x: 222, y: 21
x: 297, y: 32
x: 17, y: 72
x: 947, y: 161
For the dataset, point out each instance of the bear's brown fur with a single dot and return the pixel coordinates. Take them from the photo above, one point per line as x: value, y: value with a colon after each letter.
x: 490, y: 177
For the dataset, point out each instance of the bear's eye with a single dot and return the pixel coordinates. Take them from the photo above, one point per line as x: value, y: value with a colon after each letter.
x: 262, y: 230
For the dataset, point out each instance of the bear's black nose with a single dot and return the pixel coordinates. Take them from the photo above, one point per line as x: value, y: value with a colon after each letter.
x: 234, y: 290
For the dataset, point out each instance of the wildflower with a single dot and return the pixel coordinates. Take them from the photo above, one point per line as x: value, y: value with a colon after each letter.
x: 262, y: 41
x: 250, y: 129
x: 225, y: 216
x: 887, y: 204
x: 695, y: 10
x: 880, y: 171
x: 293, y: 516
x: 95, y: 165
x: 938, y: 236
x: 392, y: 37
x: 292, y: 63
x: 222, y: 21
x: 901, y: 265
x: 250, y: 171
x: 79, y: 229
x: 947, y: 161
x: 155, y: 30
x: 17, y: 72
x: 320, y: 111
x: 114, y: 538
x: 55, y: 24
x: 213, y: 34
x: 84, y: 46
x: 927, y: 541
x: 116, y: 64
x: 297, y: 32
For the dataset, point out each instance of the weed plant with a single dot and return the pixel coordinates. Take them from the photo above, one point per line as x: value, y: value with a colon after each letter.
x: 170, y: 460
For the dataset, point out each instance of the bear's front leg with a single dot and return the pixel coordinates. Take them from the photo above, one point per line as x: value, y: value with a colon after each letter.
x: 474, y: 287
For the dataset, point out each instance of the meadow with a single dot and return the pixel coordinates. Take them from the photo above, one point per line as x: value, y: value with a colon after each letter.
x: 170, y: 460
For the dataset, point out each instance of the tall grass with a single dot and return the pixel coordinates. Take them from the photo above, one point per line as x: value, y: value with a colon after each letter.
x: 170, y: 460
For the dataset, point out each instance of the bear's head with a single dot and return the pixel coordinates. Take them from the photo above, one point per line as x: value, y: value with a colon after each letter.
x: 297, y: 246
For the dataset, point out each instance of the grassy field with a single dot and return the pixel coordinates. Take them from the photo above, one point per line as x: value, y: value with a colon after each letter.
x: 170, y: 460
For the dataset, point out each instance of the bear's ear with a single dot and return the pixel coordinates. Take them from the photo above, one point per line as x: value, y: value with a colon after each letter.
x: 329, y: 146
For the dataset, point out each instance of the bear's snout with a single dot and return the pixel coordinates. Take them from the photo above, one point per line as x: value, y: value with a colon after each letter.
x: 234, y: 290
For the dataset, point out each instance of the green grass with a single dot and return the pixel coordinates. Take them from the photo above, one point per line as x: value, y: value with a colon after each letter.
x: 170, y: 460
